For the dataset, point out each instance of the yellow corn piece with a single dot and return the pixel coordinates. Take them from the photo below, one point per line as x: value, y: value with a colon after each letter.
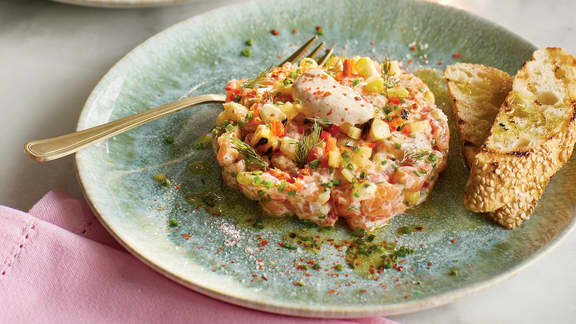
x: 375, y: 84
x: 422, y: 126
x: 347, y: 174
x: 334, y: 158
x: 324, y: 197
x: 365, y: 67
x: 398, y: 92
x: 244, y: 178
x: 290, y: 110
x: 361, y: 158
x: 379, y: 130
x: 351, y: 130
x: 289, y: 147
x: 412, y: 197
x: 429, y: 96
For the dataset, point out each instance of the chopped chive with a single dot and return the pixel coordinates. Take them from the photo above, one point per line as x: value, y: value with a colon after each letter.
x: 314, y: 164
x: 247, y: 52
x: 161, y: 179
x: 169, y: 140
x: 282, y: 186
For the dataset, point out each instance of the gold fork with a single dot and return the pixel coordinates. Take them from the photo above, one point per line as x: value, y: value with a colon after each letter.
x: 61, y: 146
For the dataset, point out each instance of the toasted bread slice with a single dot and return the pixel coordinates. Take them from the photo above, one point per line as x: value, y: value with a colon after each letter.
x: 476, y: 92
x: 532, y: 137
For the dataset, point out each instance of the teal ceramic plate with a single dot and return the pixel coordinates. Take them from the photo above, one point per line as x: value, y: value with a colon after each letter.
x: 224, y: 256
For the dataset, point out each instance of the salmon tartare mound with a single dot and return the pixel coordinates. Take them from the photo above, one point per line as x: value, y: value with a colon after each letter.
x: 355, y: 138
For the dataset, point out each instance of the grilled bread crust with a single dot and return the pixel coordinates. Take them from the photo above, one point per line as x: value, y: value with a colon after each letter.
x: 532, y: 137
x: 476, y: 94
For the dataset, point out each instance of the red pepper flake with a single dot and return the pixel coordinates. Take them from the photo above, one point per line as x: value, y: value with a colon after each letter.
x: 362, y: 291
x: 371, y: 43
x: 263, y: 243
x: 399, y: 285
x: 410, y: 61
x: 264, y: 277
x: 330, y: 112
x: 440, y: 62
x: 275, y: 32
x: 394, y: 101
x: 413, y: 48
x: 430, y: 263
x: 453, y: 240
x: 456, y: 55
x: 279, y: 57
x: 177, y: 186
x: 411, y: 268
x: 402, y: 28
x: 185, y: 236
x: 292, y: 235
x: 254, y: 275
x: 331, y: 291
x: 406, y: 297
x: 318, y: 27
x: 357, y: 98
x: 400, y: 268
x: 294, y: 31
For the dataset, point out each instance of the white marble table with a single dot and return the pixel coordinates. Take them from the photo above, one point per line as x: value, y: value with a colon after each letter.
x: 52, y: 55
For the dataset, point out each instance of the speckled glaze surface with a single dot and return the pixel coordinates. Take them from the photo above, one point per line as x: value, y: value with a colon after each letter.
x: 221, y: 257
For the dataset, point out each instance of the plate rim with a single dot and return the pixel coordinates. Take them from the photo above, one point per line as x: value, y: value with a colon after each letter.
x: 303, y: 311
x: 124, y: 3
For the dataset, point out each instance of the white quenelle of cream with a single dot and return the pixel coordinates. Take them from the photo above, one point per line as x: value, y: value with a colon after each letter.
x: 322, y: 97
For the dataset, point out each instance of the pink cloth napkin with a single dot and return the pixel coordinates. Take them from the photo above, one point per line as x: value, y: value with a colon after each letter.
x: 59, y: 265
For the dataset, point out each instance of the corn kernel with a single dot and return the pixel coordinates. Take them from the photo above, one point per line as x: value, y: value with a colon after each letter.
x: 244, y: 178
x: 361, y: 158
x: 412, y: 197
x: 365, y: 67
x: 334, y: 158
x: 379, y: 130
x: 422, y: 126
x: 375, y: 84
x: 324, y: 197
x: 429, y: 96
x: 351, y: 130
x: 270, y: 112
x: 398, y: 92
x: 347, y: 174
x: 221, y: 119
x: 290, y: 110
x: 308, y: 63
x: 289, y: 147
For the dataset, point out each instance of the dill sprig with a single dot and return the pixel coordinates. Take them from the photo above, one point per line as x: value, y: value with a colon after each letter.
x: 389, y: 80
x: 414, y: 156
x: 250, y: 155
x: 307, y: 144
x: 252, y: 83
x: 320, y: 121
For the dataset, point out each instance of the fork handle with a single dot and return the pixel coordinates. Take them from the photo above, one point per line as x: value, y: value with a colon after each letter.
x: 61, y: 146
